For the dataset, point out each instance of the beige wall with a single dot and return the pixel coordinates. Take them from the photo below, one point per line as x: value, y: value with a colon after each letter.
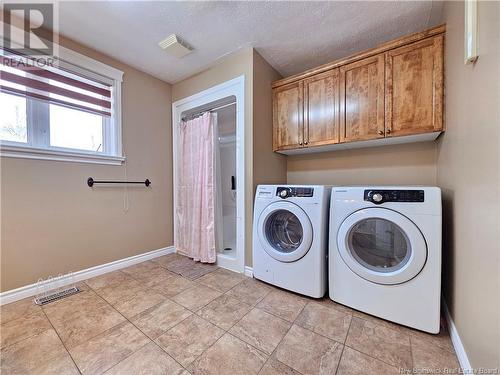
x: 412, y: 164
x: 469, y: 175
x: 52, y: 222
x: 268, y: 166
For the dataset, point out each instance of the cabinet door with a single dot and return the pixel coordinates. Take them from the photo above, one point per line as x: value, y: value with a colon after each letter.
x: 362, y: 100
x: 414, y: 88
x: 288, y: 119
x: 321, y: 109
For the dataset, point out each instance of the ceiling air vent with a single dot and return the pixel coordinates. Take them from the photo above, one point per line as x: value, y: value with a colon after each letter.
x: 175, y: 46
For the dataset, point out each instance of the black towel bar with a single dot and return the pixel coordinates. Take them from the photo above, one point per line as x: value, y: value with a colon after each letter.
x: 91, y: 182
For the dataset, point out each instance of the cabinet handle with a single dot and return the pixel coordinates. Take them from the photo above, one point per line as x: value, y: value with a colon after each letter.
x: 300, y: 143
x: 389, y: 131
x: 380, y: 132
x: 306, y: 142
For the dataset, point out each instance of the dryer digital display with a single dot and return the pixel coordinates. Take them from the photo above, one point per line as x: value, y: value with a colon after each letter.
x: 286, y: 192
x: 383, y: 196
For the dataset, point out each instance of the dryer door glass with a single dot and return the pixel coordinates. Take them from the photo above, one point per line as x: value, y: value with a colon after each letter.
x: 379, y: 245
x: 382, y: 246
x: 284, y: 231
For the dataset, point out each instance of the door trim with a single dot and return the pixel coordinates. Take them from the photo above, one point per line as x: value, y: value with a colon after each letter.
x: 234, y: 87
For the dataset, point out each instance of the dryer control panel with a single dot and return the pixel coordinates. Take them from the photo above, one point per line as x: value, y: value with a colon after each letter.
x: 289, y: 191
x: 383, y: 196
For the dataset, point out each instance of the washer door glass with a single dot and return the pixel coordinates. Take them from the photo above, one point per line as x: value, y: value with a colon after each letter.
x: 285, y: 231
x: 379, y: 245
x: 382, y: 246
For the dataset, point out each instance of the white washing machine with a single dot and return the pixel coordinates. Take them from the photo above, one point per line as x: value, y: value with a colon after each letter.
x: 290, y: 237
x: 385, y: 253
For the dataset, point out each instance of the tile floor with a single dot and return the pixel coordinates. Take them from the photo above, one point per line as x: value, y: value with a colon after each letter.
x: 171, y: 316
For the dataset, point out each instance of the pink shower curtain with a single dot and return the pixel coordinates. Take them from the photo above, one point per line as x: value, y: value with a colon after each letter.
x: 196, y: 189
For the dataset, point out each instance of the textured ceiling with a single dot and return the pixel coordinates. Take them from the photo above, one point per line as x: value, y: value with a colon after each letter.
x: 291, y: 36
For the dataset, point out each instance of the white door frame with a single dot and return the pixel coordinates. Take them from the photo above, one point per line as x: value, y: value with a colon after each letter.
x: 234, y: 87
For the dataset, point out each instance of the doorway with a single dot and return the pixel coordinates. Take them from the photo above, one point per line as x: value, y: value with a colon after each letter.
x: 227, y: 102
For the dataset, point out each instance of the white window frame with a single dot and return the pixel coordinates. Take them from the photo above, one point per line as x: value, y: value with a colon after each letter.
x: 112, y: 129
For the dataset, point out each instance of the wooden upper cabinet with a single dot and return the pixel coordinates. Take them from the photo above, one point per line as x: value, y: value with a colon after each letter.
x: 362, y: 99
x: 395, y: 89
x: 321, y: 109
x: 414, y: 88
x: 288, y: 116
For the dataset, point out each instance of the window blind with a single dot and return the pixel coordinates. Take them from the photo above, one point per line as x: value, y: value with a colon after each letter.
x: 55, y: 85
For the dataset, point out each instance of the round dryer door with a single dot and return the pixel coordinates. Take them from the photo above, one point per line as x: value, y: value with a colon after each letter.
x: 285, y: 231
x: 382, y: 246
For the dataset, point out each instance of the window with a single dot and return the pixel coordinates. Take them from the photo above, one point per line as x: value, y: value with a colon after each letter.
x: 66, y: 111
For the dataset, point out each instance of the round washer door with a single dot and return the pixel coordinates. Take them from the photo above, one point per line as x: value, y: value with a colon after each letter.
x: 382, y: 246
x: 285, y: 231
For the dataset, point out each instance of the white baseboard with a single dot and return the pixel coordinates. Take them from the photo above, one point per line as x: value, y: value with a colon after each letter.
x: 463, y: 359
x: 33, y: 289
x: 248, y: 271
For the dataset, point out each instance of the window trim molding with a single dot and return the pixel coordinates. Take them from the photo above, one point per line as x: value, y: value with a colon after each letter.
x: 83, y: 65
x: 11, y: 150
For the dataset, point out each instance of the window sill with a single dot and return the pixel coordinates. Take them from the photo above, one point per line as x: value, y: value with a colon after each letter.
x: 26, y: 152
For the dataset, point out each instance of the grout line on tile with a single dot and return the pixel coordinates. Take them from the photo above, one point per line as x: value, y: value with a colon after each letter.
x: 27, y: 337
x: 343, y: 347
x: 62, y: 342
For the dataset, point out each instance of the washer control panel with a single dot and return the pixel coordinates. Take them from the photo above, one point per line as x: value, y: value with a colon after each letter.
x: 383, y: 196
x: 287, y: 192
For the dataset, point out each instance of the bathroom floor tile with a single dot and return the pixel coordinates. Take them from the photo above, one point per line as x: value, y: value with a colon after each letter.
x: 224, y: 311
x: 221, y: 280
x: 18, y: 309
x: 274, y: 367
x: 252, y: 328
x: 149, y: 280
x: 85, y: 326
x: 308, y: 352
x: 139, y: 269
x: 356, y: 363
x: 441, y: 340
x: 23, y: 327
x: 380, y: 322
x: 71, y: 308
x: 261, y: 330
x: 229, y: 356
x: 326, y: 321
x: 327, y: 302
x: 196, y: 297
x: 180, y: 264
x: 189, y: 339
x: 123, y: 291
x: 39, y: 351
x: 386, y: 344
x: 149, y: 360
x: 433, y: 358
x: 109, y: 348
x: 198, y: 270
x: 250, y: 291
x: 160, y: 318
x: 283, y: 304
x: 172, y: 286
x: 115, y: 277
x: 142, y: 301
x: 167, y: 259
